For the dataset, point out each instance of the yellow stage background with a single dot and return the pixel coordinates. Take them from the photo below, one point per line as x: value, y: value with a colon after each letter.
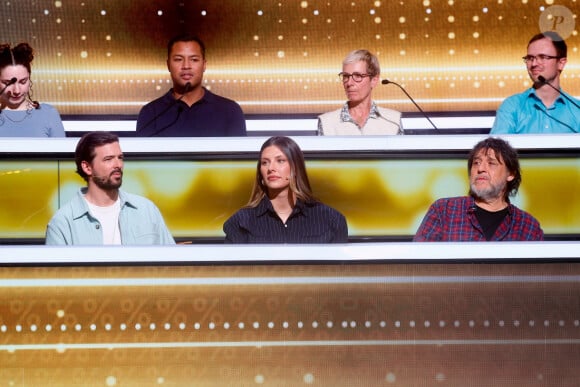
x: 378, y: 197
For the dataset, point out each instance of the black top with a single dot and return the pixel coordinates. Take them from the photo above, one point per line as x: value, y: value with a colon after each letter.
x: 308, y: 223
x: 211, y: 116
x: 489, y: 220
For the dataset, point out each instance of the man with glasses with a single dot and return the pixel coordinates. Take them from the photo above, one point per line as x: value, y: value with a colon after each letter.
x: 543, y: 108
x: 360, y: 115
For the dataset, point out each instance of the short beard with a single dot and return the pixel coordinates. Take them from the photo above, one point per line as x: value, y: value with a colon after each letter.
x: 486, y: 194
x: 105, y: 183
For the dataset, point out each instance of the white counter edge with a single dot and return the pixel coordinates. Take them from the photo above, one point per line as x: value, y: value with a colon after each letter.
x: 307, y: 143
x: 387, y: 252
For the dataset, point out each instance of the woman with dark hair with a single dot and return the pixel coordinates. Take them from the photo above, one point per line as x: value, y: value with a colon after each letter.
x: 20, y: 116
x: 282, y: 208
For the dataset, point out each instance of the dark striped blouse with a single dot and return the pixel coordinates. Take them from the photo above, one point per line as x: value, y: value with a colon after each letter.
x: 309, y: 223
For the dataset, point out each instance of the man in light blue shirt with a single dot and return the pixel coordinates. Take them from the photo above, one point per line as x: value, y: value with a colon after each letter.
x: 544, y: 108
x: 101, y: 213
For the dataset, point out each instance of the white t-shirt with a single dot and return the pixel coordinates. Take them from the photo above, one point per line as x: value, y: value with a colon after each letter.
x: 109, y: 219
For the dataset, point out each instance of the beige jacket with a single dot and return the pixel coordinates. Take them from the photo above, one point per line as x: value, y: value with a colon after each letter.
x: 388, y: 123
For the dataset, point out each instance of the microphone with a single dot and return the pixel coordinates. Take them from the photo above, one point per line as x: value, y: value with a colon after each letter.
x: 386, y: 82
x: 547, y: 114
x: 179, y: 110
x: 187, y: 89
x: 545, y: 82
x: 12, y: 81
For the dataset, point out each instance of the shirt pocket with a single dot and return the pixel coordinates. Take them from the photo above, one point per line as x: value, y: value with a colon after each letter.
x: 145, y: 234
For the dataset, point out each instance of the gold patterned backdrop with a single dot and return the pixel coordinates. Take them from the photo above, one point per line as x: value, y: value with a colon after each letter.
x: 282, y: 57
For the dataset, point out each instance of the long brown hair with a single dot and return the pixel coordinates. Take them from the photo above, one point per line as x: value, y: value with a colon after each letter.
x: 299, y: 183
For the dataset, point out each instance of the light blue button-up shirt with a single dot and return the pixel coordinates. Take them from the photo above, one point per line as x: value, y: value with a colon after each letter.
x: 525, y: 113
x: 140, y: 223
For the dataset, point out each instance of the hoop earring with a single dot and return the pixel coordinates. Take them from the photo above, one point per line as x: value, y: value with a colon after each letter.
x: 35, y: 104
x: 30, y: 90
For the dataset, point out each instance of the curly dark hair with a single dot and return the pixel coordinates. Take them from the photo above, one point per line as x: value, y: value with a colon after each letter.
x: 21, y: 54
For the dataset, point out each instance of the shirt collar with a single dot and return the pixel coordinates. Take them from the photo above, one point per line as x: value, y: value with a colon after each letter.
x: 80, y: 207
x: 265, y: 206
x: 208, y: 97
x: 345, y: 115
x: 471, y: 206
x: 532, y: 94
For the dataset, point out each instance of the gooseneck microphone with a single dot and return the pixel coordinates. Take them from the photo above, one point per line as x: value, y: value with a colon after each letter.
x: 186, y: 90
x: 12, y: 81
x: 545, y: 82
x: 386, y: 82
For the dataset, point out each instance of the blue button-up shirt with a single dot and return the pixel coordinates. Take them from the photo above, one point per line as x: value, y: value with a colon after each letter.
x: 525, y: 113
x: 140, y: 223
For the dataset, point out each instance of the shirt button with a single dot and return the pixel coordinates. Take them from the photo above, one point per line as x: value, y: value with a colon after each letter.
x: 97, y: 226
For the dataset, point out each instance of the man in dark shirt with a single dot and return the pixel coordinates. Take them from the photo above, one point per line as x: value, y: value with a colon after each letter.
x: 189, y: 109
x: 486, y: 214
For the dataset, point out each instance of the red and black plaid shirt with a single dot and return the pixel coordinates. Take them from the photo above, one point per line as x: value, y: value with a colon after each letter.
x: 454, y: 220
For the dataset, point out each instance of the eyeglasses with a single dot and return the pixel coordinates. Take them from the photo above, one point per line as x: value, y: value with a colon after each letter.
x: 539, y: 58
x: 357, y: 77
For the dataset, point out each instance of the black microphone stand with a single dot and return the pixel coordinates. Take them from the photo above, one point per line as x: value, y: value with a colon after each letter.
x: 544, y: 81
x: 179, y: 110
x: 12, y: 81
x: 169, y: 106
x: 386, y: 82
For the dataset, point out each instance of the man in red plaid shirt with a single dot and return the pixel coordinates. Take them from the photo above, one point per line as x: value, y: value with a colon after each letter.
x: 486, y: 214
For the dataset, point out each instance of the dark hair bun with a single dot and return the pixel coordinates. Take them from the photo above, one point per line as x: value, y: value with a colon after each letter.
x: 21, y: 54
